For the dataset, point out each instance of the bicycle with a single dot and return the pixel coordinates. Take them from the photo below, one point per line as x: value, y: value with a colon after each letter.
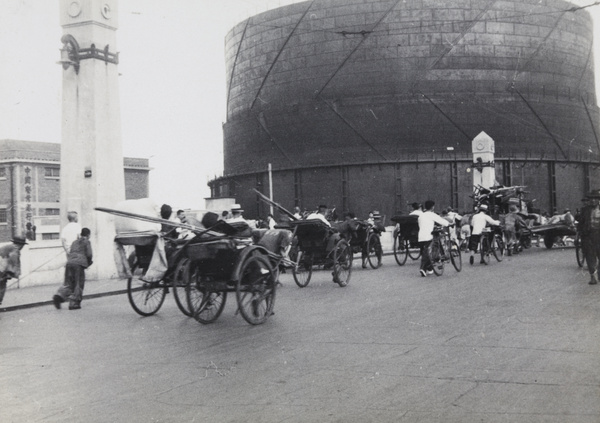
x: 443, y: 249
x: 491, y: 243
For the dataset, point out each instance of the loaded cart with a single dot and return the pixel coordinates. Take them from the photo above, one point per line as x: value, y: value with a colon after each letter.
x: 201, y: 270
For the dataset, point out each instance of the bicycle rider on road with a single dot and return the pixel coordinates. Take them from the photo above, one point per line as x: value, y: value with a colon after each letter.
x: 479, y: 222
x: 427, y: 221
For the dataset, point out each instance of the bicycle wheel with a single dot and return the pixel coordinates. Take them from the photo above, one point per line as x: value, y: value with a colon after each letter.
x: 342, y: 263
x: 255, y: 290
x: 484, y: 249
x: 400, y: 250
x: 145, y: 298
x: 455, y: 256
x: 374, y: 249
x: 498, y: 247
x: 579, y: 251
x: 435, y: 255
x: 205, y: 306
x: 179, y: 283
x: 302, y: 271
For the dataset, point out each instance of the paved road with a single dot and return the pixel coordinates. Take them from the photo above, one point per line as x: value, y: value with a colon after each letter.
x: 517, y: 341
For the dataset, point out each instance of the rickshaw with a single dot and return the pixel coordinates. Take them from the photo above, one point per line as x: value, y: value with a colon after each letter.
x: 201, y: 270
x: 363, y: 238
x: 310, y: 250
x: 406, y: 238
x: 147, y: 294
x: 217, y: 265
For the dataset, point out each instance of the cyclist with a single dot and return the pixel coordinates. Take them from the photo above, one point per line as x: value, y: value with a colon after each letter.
x: 479, y: 222
x: 427, y: 221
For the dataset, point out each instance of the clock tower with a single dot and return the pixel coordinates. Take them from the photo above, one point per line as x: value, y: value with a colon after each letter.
x: 91, y: 150
x: 483, y: 167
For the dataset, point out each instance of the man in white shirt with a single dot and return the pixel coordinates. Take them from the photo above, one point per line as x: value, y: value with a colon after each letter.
x: 479, y: 222
x: 427, y: 221
x: 71, y: 231
x: 417, y: 210
x: 237, y: 214
x: 320, y: 214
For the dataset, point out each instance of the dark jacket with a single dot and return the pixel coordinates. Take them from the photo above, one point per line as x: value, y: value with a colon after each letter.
x: 81, y: 253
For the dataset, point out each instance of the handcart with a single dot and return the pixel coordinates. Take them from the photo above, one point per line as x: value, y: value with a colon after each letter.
x: 406, y: 238
x: 318, y: 245
x: 551, y: 233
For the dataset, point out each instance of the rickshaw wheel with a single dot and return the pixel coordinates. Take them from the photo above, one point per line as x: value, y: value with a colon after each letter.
x: 255, y: 290
x: 205, y: 306
x: 145, y: 298
x: 414, y: 255
x: 579, y: 251
x: 374, y: 250
x: 178, y: 284
x: 342, y: 263
x: 302, y: 271
x: 400, y: 250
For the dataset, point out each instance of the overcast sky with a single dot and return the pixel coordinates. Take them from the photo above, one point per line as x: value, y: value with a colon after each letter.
x: 172, y: 83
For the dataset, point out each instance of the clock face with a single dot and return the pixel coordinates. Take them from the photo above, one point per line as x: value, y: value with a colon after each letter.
x: 106, y: 11
x: 480, y: 145
x: 74, y: 9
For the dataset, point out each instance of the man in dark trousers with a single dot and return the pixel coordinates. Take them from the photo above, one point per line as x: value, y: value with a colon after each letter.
x: 10, y: 262
x: 78, y: 259
x: 589, y: 228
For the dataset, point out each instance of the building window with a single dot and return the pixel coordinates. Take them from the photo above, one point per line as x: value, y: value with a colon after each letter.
x: 52, y: 172
x: 3, y: 216
x: 51, y: 212
x: 49, y: 236
x: 2, y: 173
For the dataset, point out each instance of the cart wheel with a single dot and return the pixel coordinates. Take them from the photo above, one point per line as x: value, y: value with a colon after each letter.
x: 485, y: 249
x: 579, y: 251
x: 374, y: 249
x: 414, y: 255
x: 435, y: 255
x: 302, y: 271
x: 455, y: 256
x: 179, y: 283
x: 498, y: 247
x: 255, y: 290
x: 342, y: 263
x: 205, y: 306
x: 145, y: 298
x: 400, y: 250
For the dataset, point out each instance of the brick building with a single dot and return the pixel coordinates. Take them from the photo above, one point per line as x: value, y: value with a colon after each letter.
x: 30, y: 188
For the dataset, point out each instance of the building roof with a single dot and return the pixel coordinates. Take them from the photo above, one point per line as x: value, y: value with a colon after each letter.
x: 47, y: 152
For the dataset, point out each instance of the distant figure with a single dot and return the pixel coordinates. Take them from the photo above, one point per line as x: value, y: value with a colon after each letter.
x: 320, y: 214
x: 10, y: 262
x: 224, y: 215
x: 165, y: 213
x: 78, y: 259
x: 271, y: 221
x: 237, y: 214
x: 417, y: 209
x: 297, y: 213
x: 589, y: 228
x: 427, y: 221
x: 71, y: 231
x: 480, y: 221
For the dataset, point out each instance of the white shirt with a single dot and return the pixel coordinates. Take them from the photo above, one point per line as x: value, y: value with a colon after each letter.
x: 318, y: 216
x: 416, y: 213
x: 427, y: 221
x: 69, y: 234
x: 480, y: 220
